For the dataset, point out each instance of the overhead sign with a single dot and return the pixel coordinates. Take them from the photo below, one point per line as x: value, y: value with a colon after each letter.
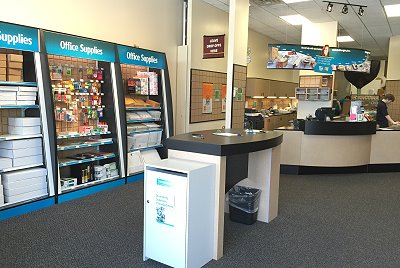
x: 303, y: 57
x: 213, y: 46
x: 141, y: 57
x: 19, y: 37
x: 67, y: 45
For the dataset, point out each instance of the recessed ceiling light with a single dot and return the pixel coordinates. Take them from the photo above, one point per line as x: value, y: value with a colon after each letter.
x: 295, y: 19
x: 294, y: 1
x: 392, y: 10
x: 344, y: 38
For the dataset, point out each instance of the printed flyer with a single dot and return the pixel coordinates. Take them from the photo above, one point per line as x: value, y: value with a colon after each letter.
x: 207, y: 98
x: 165, y: 202
x: 223, y: 98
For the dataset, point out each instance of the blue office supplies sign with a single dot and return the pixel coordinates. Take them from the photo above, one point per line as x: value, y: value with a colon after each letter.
x: 19, y: 37
x: 66, y: 45
x: 141, y: 57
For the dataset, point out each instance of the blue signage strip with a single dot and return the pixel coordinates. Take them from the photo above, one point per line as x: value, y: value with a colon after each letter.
x: 66, y: 45
x: 19, y: 37
x: 140, y: 57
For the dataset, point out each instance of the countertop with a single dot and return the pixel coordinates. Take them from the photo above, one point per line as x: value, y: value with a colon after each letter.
x: 212, y: 144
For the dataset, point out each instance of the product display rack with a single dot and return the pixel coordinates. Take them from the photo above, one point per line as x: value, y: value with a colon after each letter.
x: 146, y: 101
x: 86, y: 123
x: 24, y: 141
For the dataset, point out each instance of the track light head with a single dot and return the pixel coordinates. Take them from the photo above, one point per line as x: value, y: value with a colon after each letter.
x: 345, y: 9
x: 361, y: 11
x: 329, y: 7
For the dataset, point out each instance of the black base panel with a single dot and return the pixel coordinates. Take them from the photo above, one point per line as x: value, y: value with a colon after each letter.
x: 379, y: 168
x: 307, y: 170
x: 241, y: 216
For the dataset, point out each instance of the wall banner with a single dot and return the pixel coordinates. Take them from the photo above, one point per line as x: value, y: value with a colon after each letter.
x: 213, y: 46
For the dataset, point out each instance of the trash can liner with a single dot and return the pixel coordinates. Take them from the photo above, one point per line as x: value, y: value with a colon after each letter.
x: 244, y: 198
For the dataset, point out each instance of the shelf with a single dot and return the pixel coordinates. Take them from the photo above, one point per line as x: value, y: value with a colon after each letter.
x: 26, y: 84
x: 20, y: 167
x: 82, y: 135
x: 70, y: 162
x: 19, y: 106
x: 145, y: 131
x: 84, y: 145
x: 18, y: 203
x: 142, y: 108
x: 143, y: 121
x: 18, y: 137
x: 84, y: 185
x: 146, y: 148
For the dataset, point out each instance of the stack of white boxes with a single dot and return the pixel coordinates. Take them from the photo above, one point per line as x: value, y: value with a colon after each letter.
x: 25, y: 184
x: 14, y: 95
x: 24, y: 125
x: 1, y: 195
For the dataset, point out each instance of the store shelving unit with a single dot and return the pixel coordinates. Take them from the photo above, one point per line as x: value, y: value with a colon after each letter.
x: 22, y: 96
x: 313, y: 93
x: 147, y: 106
x: 86, y: 123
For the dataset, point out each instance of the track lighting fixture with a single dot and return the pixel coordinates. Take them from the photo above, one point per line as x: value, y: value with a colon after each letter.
x: 345, y: 8
x: 329, y: 7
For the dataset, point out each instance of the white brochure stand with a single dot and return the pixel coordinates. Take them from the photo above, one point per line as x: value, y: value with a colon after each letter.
x: 179, y: 212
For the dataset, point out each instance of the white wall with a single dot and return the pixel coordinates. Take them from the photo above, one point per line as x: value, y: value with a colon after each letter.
x: 258, y: 45
x: 393, y: 71
x: 150, y: 24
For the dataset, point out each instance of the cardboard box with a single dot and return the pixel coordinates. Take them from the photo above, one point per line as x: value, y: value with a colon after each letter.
x: 28, y: 89
x: 14, y: 176
x: 3, y: 64
x: 25, y: 102
x: 20, y: 152
x: 6, y: 102
x: 5, y: 163
x: 14, y: 78
x: 26, y: 161
x: 26, y: 98
x: 25, y: 196
x: 14, y: 65
x: 24, y: 130
x: 8, y: 88
x: 67, y: 183
x: 15, y: 58
x: 3, y: 57
x: 23, y: 183
x: 14, y: 72
x: 21, y: 144
x: 3, y: 70
x: 25, y: 189
x: 24, y: 121
x: 3, y: 77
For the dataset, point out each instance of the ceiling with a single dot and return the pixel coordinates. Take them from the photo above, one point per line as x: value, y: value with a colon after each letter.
x: 371, y: 31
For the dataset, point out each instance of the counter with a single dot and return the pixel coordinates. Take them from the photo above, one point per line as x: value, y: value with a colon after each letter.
x: 247, y: 159
x: 339, y: 147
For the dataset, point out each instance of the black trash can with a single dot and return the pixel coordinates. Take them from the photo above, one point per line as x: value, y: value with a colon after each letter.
x: 243, y: 204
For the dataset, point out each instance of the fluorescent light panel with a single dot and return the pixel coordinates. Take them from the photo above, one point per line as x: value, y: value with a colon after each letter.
x: 344, y: 38
x: 392, y: 10
x: 294, y: 1
x: 295, y: 19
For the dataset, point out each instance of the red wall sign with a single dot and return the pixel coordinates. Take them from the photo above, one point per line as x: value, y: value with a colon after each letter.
x: 213, y: 46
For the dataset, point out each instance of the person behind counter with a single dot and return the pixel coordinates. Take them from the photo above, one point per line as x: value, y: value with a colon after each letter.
x: 382, y: 116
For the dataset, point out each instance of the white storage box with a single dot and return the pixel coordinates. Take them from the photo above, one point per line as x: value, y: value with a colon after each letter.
x: 26, y: 93
x: 14, y: 176
x: 155, y: 114
x: 26, y: 98
x: 25, y: 102
x: 1, y: 200
x: 25, y: 196
x: 23, y: 183
x: 135, y: 162
x: 24, y: 121
x: 29, y: 160
x: 137, y: 141
x: 5, y: 163
x: 24, y: 130
x: 67, y: 183
x: 8, y: 88
x: 21, y: 144
x: 31, y: 89
x: 26, y: 189
x: 1, y: 190
x: 8, y: 96
x: 8, y: 102
x: 154, y: 138
x: 20, y: 152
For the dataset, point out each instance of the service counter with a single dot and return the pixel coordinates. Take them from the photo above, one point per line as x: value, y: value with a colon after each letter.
x: 240, y: 158
x: 339, y: 147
